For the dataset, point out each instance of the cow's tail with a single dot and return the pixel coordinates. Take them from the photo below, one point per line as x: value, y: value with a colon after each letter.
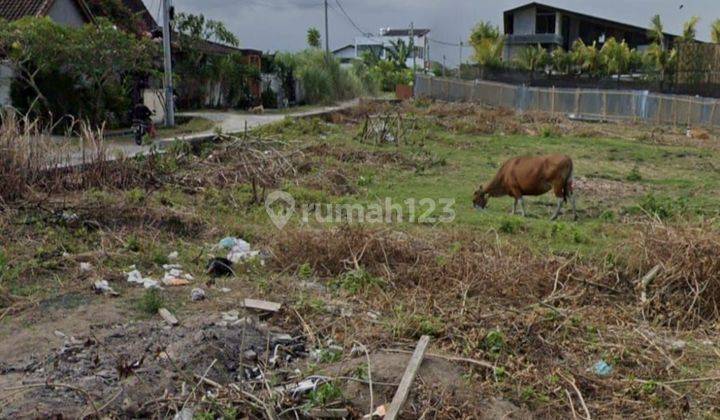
x: 568, y: 187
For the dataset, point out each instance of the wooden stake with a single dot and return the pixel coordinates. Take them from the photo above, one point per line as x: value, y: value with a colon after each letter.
x: 604, y: 98
x: 552, y: 102
x: 407, y: 380
x: 712, y: 113
x: 577, y: 102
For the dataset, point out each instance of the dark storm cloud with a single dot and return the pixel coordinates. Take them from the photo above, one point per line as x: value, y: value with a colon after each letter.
x: 273, y: 25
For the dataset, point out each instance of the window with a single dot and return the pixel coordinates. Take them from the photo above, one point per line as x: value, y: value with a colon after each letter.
x: 545, y: 23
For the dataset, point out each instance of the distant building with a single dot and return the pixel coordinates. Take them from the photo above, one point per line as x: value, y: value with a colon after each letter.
x: 345, y: 54
x: 378, y: 44
x: 551, y: 27
x: 67, y: 12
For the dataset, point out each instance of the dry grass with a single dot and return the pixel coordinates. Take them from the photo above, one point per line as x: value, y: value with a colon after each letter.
x: 686, y: 292
x: 34, y: 161
x: 542, y: 321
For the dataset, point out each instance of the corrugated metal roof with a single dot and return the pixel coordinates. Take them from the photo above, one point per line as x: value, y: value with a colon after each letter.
x: 404, y: 32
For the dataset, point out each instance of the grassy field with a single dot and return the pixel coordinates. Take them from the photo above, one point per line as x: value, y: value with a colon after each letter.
x: 535, y: 304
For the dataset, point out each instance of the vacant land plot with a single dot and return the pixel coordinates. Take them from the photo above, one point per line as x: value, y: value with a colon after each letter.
x: 527, y: 317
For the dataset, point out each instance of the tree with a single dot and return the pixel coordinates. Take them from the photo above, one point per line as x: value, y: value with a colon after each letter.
x: 561, y: 61
x: 198, y: 68
x: 119, y: 14
x: 690, y: 29
x: 487, y: 44
x: 715, y: 31
x: 196, y: 27
x: 313, y: 37
x: 587, y: 58
x: 616, y: 57
x: 532, y: 58
x: 399, y: 52
x: 661, y: 60
x: 103, y: 56
x: 656, y: 33
x: 33, y: 48
x: 657, y: 56
x: 87, y: 71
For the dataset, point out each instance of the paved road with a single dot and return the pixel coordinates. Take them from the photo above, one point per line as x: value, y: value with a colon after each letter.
x: 227, y: 122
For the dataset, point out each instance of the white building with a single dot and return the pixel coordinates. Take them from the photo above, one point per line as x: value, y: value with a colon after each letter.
x: 379, y: 44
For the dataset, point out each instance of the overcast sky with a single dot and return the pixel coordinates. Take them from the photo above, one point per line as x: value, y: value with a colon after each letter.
x: 272, y: 25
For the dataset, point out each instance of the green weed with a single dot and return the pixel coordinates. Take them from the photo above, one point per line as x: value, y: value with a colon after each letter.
x: 151, y: 301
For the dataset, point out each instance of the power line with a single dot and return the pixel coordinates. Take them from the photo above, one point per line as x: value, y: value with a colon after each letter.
x: 449, y: 44
x: 352, y: 22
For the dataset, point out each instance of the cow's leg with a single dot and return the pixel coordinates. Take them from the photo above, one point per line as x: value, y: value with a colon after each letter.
x: 572, y: 201
x: 522, y: 206
x: 557, y: 210
x: 514, y: 209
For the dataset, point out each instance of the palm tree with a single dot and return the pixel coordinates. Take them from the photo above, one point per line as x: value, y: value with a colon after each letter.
x: 561, y: 61
x: 656, y: 32
x: 661, y: 60
x: 615, y: 57
x: 715, y: 31
x: 313, y: 37
x: 487, y: 44
x: 690, y: 29
x: 587, y: 57
x: 532, y: 58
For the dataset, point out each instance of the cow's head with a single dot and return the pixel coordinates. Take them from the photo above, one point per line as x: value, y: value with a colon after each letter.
x: 480, y: 199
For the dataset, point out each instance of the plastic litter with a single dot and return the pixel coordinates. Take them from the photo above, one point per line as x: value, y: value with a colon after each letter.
x: 173, y: 256
x: 175, y: 276
x: 197, y: 295
x: 102, y: 286
x: 85, y: 267
x: 135, y: 276
x: 601, y: 368
x: 228, y: 243
x: 239, y: 249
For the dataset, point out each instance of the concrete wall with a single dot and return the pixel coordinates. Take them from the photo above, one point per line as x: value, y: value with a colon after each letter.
x: 6, y: 78
x: 66, y: 12
x: 524, y: 21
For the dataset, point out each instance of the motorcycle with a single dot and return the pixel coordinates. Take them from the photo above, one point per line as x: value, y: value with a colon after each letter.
x: 140, y: 129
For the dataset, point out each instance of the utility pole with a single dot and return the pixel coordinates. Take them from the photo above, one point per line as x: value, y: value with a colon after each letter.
x: 412, y: 43
x: 443, y: 68
x: 460, y: 62
x: 169, y: 91
x: 327, y: 33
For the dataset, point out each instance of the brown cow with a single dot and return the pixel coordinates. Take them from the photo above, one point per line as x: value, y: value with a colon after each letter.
x: 532, y: 176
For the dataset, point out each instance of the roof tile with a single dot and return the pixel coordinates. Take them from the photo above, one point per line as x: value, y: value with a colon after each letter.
x: 16, y: 9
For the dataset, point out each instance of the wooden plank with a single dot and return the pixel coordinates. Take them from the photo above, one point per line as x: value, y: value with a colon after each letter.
x: 168, y: 316
x: 329, y: 413
x: 262, y: 305
x: 407, y: 380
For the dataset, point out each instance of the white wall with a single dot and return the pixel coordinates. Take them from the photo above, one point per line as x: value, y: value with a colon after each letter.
x: 524, y: 21
x: 66, y: 12
x: 155, y: 100
x: 6, y: 78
